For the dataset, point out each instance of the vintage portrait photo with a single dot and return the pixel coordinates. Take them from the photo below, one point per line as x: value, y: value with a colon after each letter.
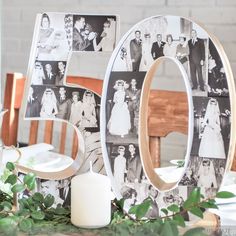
x: 204, y: 172
x: 211, y: 127
x: 76, y: 105
x: 122, y: 107
x: 129, y: 177
x: 217, y: 82
x: 60, y: 189
x: 54, y: 39
x: 48, y: 73
x: 175, y: 196
x: 94, y: 33
x: 151, y: 40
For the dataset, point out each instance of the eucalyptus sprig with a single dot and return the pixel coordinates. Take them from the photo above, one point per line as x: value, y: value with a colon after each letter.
x: 36, y: 213
x: 34, y: 209
x: 173, y: 218
x: 180, y: 163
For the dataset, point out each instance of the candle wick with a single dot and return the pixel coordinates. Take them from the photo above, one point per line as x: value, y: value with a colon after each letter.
x: 91, y: 166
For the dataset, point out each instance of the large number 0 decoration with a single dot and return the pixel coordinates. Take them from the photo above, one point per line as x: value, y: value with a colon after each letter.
x: 210, y: 91
x: 56, y: 37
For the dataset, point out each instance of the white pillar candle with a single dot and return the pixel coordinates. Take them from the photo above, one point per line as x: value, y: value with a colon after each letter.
x: 91, y: 200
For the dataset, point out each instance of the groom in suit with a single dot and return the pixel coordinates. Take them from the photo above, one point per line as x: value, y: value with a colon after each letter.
x: 136, y: 50
x: 80, y: 41
x: 153, y: 211
x: 63, y: 105
x: 134, y: 166
x: 196, y: 59
x: 157, y: 47
x: 133, y: 98
x: 50, y: 78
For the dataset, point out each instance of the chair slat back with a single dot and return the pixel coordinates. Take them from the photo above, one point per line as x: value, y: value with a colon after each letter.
x: 168, y: 112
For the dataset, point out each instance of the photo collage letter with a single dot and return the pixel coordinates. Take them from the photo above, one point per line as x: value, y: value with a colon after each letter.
x: 56, y: 37
x: 184, y: 40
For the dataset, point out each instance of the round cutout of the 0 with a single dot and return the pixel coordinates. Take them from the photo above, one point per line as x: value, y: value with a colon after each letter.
x: 125, y: 113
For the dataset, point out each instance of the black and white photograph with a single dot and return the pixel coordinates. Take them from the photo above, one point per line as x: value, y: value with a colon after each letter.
x: 198, y: 62
x: 48, y: 73
x: 60, y: 189
x: 94, y: 33
x: 175, y: 196
x: 123, y: 98
x: 217, y: 82
x: 137, y: 193
x: 127, y: 171
x: 79, y: 106
x: 126, y: 164
x: 204, y: 172
x: 187, y: 42
x: 211, y: 127
x: 54, y: 38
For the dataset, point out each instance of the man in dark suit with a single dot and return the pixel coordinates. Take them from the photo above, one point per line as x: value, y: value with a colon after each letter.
x: 157, y: 47
x: 136, y: 50
x: 133, y: 98
x: 81, y: 41
x: 134, y: 166
x: 196, y: 59
x: 33, y: 105
x: 63, y: 105
x: 153, y: 211
x: 50, y: 78
x: 65, y: 193
x: 61, y: 73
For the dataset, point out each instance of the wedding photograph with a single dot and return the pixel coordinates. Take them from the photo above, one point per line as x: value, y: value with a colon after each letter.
x: 217, y: 82
x: 211, y: 125
x: 188, y: 43
x: 78, y: 106
x: 60, y: 189
x: 204, y: 172
x: 120, y: 114
x: 94, y: 33
x: 53, y: 42
x: 48, y: 73
x: 122, y: 106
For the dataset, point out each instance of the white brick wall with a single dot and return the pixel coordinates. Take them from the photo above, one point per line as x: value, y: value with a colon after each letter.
x: 18, y: 16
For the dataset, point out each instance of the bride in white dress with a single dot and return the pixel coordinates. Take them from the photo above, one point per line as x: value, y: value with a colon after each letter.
x: 207, y: 175
x: 120, y: 168
x: 49, y: 104
x: 212, y: 144
x: 119, y: 123
x: 88, y: 110
x: 108, y: 35
x: 147, y: 59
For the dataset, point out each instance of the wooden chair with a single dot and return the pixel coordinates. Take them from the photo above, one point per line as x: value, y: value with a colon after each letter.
x: 168, y: 112
x: 12, y: 101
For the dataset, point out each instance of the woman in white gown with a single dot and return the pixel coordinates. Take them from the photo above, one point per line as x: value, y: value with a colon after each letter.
x: 212, y: 144
x: 76, y: 109
x: 207, y: 175
x: 119, y: 123
x: 147, y: 59
x: 49, y: 104
x: 107, y: 42
x: 123, y: 61
x: 120, y: 168
x: 88, y: 110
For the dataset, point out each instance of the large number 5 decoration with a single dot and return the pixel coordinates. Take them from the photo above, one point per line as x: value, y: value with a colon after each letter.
x: 56, y: 37
x: 211, y: 97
